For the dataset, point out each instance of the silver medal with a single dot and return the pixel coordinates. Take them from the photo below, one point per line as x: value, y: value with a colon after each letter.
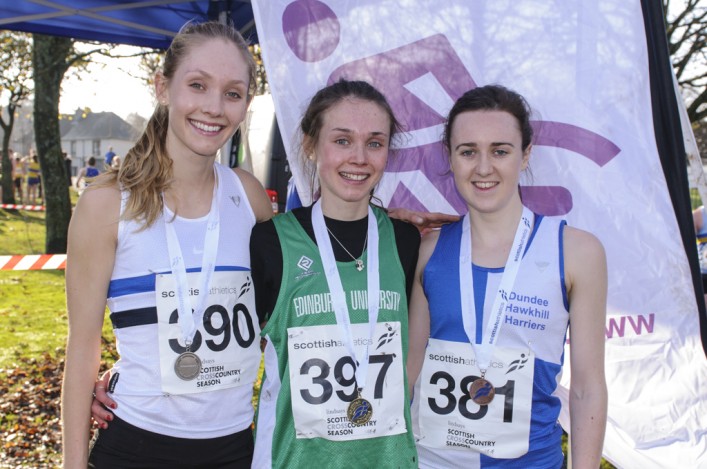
x: 187, y: 366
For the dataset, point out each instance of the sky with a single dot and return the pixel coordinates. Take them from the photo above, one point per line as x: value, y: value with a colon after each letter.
x: 113, y: 85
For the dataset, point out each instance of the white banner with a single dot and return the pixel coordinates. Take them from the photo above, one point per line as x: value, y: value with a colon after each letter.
x: 583, y: 68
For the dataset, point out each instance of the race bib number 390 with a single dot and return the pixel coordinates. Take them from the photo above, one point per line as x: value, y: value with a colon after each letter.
x: 449, y: 418
x: 227, y: 336
x: 323, y: 383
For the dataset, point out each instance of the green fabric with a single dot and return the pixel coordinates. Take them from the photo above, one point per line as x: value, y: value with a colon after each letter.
x: 394, y: 451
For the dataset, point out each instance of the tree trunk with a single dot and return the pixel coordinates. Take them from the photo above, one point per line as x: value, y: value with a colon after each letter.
x: 49, y: 59
x: 8, y: 189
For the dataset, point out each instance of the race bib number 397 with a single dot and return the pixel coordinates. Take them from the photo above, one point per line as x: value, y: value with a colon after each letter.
x: 323, y: 383
x: 226, y: 338
x: 449, y: 418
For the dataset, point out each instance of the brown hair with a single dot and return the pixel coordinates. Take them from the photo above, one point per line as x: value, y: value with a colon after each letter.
x: 146, y: 169
x: 327, y: 97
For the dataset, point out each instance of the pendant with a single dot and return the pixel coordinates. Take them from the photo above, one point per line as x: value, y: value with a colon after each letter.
x: 359, y: 264
x: 360, y: 411
x: 482, y: 391
x: 187, y: 366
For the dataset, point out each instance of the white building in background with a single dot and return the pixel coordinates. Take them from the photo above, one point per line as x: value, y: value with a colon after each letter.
x: 93, y: 133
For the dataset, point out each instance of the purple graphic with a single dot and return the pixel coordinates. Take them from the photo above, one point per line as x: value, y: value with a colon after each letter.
x: 311, y: 29
x: 390, y: 72
x: 312, y: 32
x: 570, y: 137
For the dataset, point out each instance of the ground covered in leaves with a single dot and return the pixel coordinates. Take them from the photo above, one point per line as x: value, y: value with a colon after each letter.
x: 30, y: 391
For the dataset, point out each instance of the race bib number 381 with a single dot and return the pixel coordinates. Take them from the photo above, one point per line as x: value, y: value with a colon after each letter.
x: 450, y: 419
x: 226, y: 338
x: 323, y: 383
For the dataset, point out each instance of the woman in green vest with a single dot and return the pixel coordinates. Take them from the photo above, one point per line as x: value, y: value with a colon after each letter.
x: 331, y: 283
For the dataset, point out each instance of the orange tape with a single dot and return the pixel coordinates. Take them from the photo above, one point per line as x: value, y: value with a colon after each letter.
x: 33, y: 262
x: 36, y: 208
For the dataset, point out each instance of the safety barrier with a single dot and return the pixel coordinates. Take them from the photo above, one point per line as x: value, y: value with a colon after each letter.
x: 33, y: 262
x: 35, y: 208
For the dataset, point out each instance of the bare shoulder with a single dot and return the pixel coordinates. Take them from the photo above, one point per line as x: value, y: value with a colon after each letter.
x: 99, y: 203
x: 427, y: 247
x: 94, y: 229
x: 582, y: 244
x: 256, y: 195
x: 585, y: 258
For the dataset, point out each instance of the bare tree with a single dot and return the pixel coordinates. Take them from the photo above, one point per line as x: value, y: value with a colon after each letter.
x: 15, y: 86
x: 686, y: 27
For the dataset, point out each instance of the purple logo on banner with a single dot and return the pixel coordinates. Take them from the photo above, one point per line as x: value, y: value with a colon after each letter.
x: 421, y: 80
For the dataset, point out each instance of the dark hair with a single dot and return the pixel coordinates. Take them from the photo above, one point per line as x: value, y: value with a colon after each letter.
x: 331, y: 95
x: 91, y: 161
x: 492, y: 98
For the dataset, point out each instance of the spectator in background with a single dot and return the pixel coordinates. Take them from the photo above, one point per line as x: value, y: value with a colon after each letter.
x: 115, y: 164
x: 87, y: 173
x: 18, y: 174
x: 67, y: 166
x: 109, y: 157
x: 33, y: 180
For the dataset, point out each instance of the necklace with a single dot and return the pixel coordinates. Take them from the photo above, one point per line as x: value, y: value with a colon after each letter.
x: 359, y: 262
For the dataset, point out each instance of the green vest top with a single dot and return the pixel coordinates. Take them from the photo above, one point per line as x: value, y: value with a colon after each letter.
x: 304, y: 302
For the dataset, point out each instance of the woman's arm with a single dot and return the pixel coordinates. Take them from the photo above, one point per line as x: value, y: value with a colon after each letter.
x: 257, y: 196
x: 586, y: 275
x: 419, y: 313
x: 90, y: 258
x: 266, y: 268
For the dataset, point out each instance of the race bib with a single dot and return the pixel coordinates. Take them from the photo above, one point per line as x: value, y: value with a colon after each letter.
x: 226, y: 339
x: 448, y: 418
x: 322, y: 382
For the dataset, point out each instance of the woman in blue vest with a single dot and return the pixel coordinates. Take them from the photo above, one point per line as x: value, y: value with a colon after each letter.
x: 87, y: 173
x: 493, y: 296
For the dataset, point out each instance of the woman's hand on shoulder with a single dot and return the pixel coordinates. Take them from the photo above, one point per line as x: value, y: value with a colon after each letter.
x: 258, y: 198
x: 424, y: 221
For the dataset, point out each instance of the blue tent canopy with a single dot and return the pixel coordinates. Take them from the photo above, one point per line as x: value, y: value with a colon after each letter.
x: 146, y: 23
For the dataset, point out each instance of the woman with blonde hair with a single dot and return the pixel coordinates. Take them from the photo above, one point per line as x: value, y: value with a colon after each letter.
x: 163, y: 241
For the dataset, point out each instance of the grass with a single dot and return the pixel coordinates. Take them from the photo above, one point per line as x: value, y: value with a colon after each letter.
x: 21, y: 232
x: 33, y: 316
x: 695, y: 199
x: 32, y: 313
x: 32, y: 303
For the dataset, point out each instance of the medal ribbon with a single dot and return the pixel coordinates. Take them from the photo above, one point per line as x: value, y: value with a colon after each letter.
x: 187, y: 320
x: 484, y: 351
x: 338, y: 297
